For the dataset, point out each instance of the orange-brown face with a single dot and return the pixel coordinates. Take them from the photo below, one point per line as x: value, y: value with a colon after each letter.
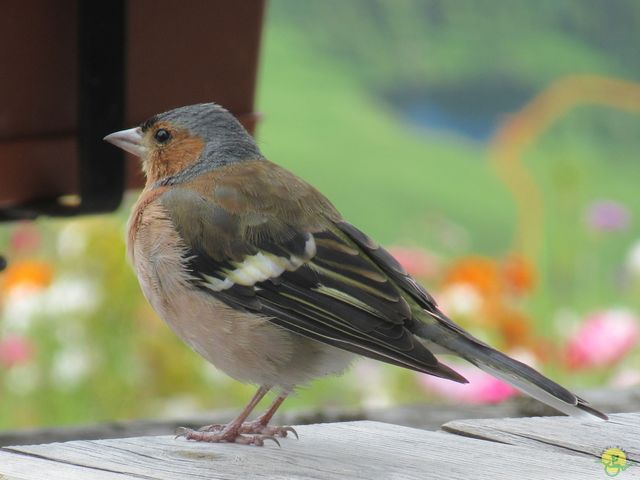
x: 168, y: 150
x: 171, y: 142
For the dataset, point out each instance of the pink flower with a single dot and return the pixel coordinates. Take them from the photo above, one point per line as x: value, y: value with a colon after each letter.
x: 25, y: 238
x: 602, y: 339
x: 607, y: 216
x: 482, y: 387
x: 415, y: 261
x: 15, y: 350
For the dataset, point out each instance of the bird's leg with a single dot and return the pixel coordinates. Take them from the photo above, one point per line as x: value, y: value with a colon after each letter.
x: 231, y: 432
x: 261, y: 424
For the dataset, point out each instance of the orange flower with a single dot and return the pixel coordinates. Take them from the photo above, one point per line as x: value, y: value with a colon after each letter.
x: 519, y: 274
x: 514, y: 326
x: 480, y: 272
x: 29, y: 273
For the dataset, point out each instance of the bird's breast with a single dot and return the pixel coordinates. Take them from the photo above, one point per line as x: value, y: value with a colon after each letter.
x: 244, y: 345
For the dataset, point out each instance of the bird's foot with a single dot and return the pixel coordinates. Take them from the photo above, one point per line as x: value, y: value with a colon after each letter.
x: 254, y: 428
x: 224, y: 434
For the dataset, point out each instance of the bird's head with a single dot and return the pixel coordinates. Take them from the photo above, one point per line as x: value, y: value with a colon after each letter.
x: 177, y: 145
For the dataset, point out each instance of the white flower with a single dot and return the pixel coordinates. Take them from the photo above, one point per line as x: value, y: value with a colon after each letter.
x: 178, y: 406
x: 373, y: 387
x: 525, y: 356
x: 21, y: 306
x: 65, y: 297
x: 72, y: 240
x: 460, y: 300
x: 625, y: 378
x: 633, y: 259
x: 70, y: 366
x: 72, y: 295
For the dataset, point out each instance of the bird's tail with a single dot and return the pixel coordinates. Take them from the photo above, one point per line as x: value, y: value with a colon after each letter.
x: 452, y: 339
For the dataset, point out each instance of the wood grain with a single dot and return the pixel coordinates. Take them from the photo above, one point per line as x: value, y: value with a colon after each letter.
x: 572, y: 436
x: 355, y: 450
x: 24, y: 467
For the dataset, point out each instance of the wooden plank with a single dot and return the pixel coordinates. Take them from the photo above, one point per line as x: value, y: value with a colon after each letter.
x: 14, y: 466
x: 355, y: 450
x: 559, y: 434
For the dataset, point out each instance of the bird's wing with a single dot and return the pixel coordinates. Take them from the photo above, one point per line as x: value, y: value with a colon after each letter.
x: 261, y: 240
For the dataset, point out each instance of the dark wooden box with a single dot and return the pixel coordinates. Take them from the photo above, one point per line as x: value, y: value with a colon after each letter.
x: 173, y: 53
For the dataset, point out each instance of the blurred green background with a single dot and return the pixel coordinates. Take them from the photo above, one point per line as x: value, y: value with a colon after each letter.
x: 394, y: 110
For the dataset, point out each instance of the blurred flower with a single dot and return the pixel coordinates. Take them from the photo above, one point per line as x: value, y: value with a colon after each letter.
x: 65, y: 297
x: 416, y: 261
x: 524, y: 355
x: 633, y: 260
x: 626, y: 378
x: 374, y: 392
x: 513, y: 325
x: 566, y: 320
x: 70, y: 366
x: 482, y: 387
x: 607, y: 216
x: 460, y: 300
x: 72, y: 294
x: 179, y: 405
x: 14, y: 350
x: 519, y: 274
x: 25, y: 238
x: 21, y: 306
x: 72, y: 239
x: 482, y: 273
x: 603, y: 338
x: 27, y: 273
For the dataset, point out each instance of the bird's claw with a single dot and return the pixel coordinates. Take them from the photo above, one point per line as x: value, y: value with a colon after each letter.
x: 253, y: 428
x: 230, y: 436
x: 278, y: 431
x: 290, y: 429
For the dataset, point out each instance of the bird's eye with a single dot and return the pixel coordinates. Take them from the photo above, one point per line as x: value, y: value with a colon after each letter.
x: 162, y: 135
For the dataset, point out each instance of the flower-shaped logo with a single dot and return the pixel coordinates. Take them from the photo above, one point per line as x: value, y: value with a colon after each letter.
x: 614, y: 461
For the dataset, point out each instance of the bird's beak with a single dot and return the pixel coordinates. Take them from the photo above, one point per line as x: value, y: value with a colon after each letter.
x: 128, y: 140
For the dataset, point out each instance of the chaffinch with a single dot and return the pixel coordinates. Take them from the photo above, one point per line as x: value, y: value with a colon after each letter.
x: 258, y: 272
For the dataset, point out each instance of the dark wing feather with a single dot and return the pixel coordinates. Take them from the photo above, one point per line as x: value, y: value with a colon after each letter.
x: 388, y: 264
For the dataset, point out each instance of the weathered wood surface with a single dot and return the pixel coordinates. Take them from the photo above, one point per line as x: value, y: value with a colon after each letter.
x: 425, y: 416
x: 559, y: 434
x: 354, y: 450
x: 428, y: 417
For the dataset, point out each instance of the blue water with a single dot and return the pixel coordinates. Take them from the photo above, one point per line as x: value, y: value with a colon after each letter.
x: 473, y: 110
x: 435, y: 117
